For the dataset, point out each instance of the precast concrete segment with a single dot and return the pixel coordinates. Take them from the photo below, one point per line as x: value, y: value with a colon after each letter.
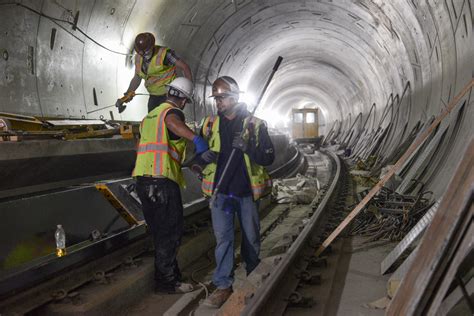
x: 342, y: 56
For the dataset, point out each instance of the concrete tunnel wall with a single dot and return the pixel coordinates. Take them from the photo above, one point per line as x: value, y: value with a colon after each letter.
x: 342, y: 56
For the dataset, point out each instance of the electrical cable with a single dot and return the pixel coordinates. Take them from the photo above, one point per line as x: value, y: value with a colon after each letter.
x: 67, y: 22
x: 200, y: 269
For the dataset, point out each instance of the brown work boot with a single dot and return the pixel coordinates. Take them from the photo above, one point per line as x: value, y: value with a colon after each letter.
x: 217, y: 298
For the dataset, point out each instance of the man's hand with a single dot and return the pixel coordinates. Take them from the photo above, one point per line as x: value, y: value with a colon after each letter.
x: 127, y: 97
x: 240, y: 143
x: 209, y: 156
x: 120, y: 106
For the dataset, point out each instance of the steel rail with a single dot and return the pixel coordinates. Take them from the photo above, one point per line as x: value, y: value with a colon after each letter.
x: 18, y: 280
x: 43, y: 268
x: 263, y: 294
x: 276, y: 173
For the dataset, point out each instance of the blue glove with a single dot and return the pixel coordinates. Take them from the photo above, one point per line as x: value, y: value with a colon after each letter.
x: 200, y: 144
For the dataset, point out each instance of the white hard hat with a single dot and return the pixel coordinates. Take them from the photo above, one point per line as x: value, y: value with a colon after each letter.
x: 181, y: 87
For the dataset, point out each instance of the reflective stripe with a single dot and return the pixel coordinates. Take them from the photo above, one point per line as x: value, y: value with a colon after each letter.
x: 160, y: 131
x: 162, y: 53
x: 207, y: 186
x: 158, y: 148
x: 206, y: 130
x: 265, y: 184
x: 158, y: 166
x: 164, y: 76
x: 260, y: 189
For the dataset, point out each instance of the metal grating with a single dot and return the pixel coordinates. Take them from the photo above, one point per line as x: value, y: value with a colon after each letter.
x: 406, y: 242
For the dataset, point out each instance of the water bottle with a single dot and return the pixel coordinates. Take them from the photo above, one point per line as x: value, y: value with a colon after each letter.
x: 60, y: 237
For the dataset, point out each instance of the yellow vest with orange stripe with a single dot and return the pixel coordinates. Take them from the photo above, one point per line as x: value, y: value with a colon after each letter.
x: 157, y: 154
x: 158, y: 74
x: 260, y: 181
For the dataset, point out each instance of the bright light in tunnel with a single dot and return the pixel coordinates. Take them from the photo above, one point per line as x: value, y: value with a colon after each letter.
x: 273, y: 118
x: 249, y: 98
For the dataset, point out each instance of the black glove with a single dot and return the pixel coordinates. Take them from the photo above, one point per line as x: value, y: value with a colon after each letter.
x: 209, y: 156
x: 240, y: 143
x: 120, y: 106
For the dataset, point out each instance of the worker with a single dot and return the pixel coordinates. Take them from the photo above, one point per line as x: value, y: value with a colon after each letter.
x: 157, y: 66
x: 159, y: 178
x: 245, y: 181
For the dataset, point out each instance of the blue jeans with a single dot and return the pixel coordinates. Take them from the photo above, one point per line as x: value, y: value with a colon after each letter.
x: 222, y: 213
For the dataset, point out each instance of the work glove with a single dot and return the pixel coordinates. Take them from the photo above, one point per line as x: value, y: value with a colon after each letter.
x: 120, y: 106
x: 127, y: 97
x: 209, y: 156
x: 240, y: 143
x: 200, y: 144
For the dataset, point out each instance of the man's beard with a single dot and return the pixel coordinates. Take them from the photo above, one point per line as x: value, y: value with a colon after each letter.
x: 222, y: 111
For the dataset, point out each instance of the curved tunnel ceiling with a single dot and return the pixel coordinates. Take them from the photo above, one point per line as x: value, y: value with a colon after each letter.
x: 345, y: 57
x: 333, y: 55
x: 342, y: 56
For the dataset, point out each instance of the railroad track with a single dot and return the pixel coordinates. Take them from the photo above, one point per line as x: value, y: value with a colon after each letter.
x: 290, y: 235
x: 273, y: 288
x: 132, y: 267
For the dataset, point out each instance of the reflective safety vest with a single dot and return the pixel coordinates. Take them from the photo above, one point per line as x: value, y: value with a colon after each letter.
x: 260, y: 181
x: 158, y: 74
x: 157, y: 155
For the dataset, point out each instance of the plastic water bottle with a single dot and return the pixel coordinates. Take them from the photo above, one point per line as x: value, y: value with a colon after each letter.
x: 60, y: 237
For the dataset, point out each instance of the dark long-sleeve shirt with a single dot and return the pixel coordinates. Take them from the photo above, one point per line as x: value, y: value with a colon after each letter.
x: 236, y: 181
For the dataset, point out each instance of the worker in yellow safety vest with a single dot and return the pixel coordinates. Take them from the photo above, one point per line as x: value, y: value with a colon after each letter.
x: 245, y: 182
x: 160, y: 153
x: 157, y: 66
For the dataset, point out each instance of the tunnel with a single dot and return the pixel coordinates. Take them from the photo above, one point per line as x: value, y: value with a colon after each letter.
x: 380, y: 73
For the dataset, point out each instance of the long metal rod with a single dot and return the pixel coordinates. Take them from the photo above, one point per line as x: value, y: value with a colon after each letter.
x: 109, y: 106
x: 232, y: 154
x: 263, y: 293
x: 418, y: 141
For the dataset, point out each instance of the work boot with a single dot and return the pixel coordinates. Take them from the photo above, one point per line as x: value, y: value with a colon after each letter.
x: 217, y: 298
x: 179, y: 288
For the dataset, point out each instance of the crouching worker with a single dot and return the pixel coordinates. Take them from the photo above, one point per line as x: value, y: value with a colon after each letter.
x: 159, y: 178
x: 243, y: 184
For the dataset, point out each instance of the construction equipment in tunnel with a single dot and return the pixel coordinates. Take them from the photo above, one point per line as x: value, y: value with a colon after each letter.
x: 15, y: 127
x: 232, y: 154
x: 119, y: 194
x: 444, y: 255
x: 305, y: 125
x: 125, y: 99
x: 396, y: 167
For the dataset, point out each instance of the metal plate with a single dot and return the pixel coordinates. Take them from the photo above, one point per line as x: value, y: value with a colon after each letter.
x: 18, y: 81
x: 405, y: 244
x: 59, y: 72
x: 427, y: 153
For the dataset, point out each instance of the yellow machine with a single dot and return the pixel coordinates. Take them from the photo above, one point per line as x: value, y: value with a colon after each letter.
x: 305, y: 123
